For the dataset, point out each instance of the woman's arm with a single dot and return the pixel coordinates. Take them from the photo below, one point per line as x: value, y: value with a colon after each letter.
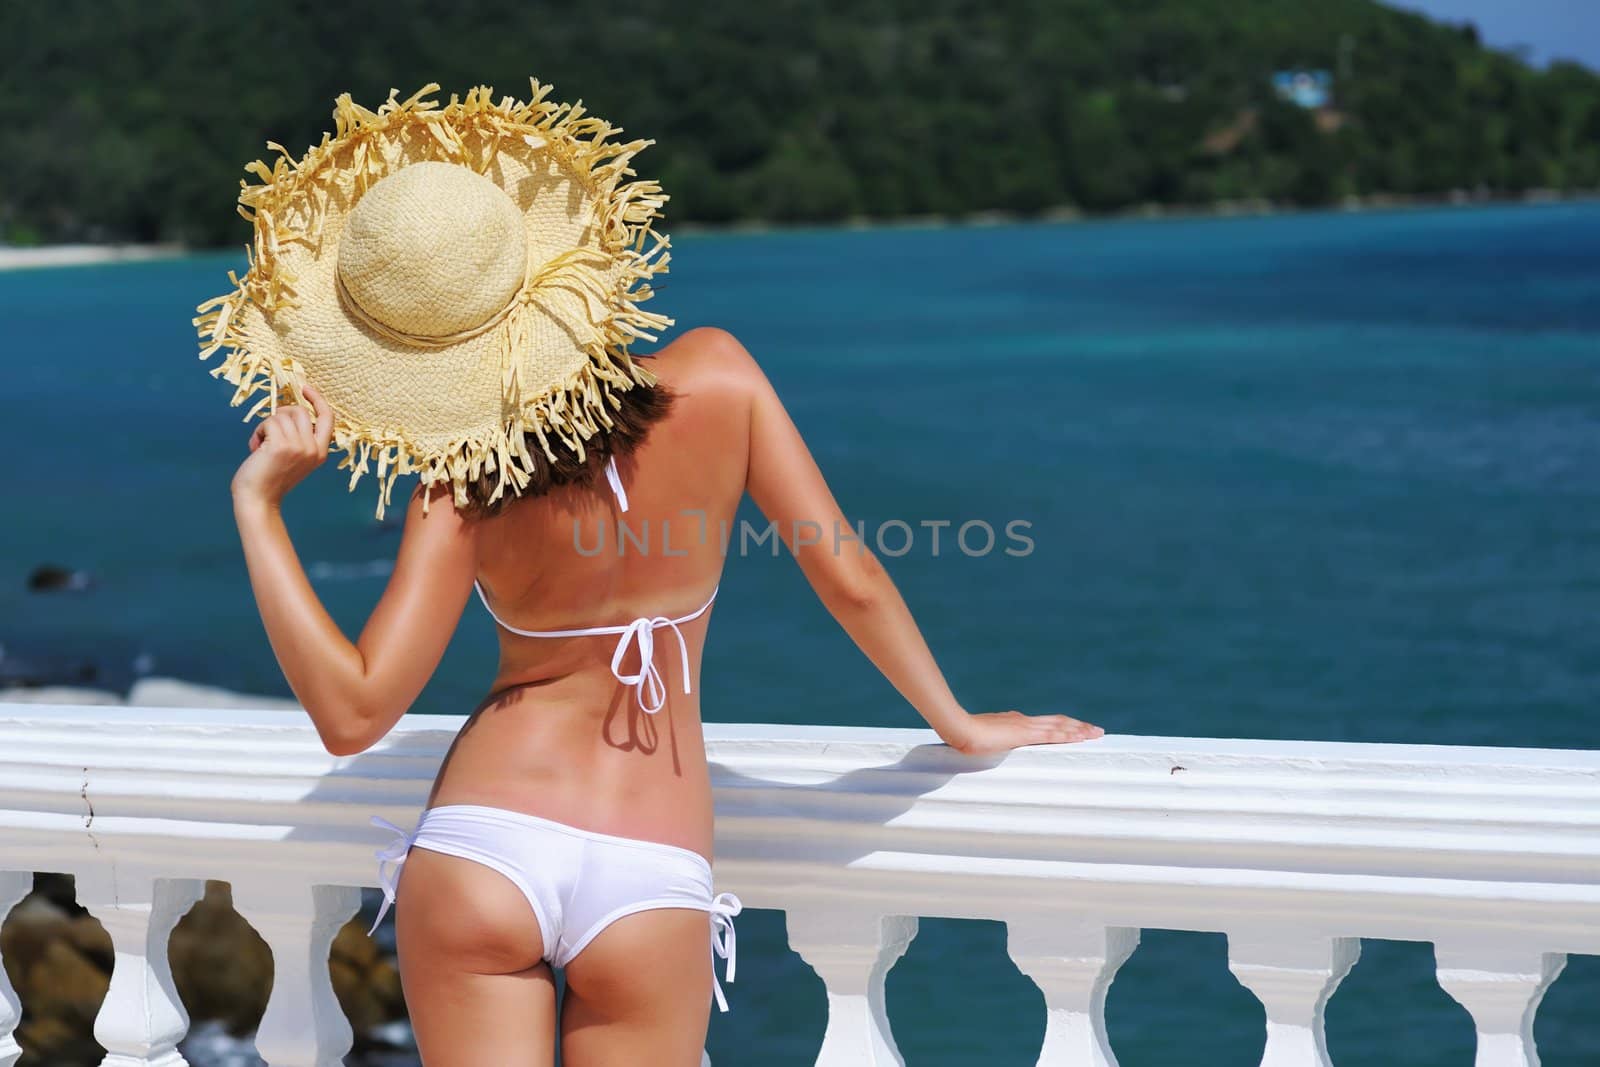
x: 354, y: 693
x: 787, y: 486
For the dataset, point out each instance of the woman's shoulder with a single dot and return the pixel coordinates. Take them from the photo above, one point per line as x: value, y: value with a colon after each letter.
x: 707, y: 356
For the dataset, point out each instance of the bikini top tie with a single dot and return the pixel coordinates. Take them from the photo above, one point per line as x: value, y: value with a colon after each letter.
x: 649, y: 688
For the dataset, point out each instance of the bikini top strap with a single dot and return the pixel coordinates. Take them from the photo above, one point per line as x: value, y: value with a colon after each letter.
x: 616, y: 483
x: 649, y: 688
x: 598, y: 631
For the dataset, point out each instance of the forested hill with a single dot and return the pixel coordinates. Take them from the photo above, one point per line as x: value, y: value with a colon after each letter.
x: 132, y: 119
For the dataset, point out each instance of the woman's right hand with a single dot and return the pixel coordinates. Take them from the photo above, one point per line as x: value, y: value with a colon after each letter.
x: 1001, y: 731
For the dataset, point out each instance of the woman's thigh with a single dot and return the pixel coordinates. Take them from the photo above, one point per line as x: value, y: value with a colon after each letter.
x: 640, y: 993
x: 476, y: 986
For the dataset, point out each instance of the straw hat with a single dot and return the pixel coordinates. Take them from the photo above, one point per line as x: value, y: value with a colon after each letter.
x: 450, y: 278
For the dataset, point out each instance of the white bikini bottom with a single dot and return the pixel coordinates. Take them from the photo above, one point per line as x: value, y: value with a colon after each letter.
x: 578, y: 882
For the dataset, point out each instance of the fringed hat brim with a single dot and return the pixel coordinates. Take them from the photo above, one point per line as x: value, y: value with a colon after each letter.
x: 454, y: 413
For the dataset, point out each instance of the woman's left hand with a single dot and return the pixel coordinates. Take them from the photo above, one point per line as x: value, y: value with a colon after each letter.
x: 288, y: 445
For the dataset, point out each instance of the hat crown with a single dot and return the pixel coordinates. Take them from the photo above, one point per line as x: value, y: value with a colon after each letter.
x: 433, y: 250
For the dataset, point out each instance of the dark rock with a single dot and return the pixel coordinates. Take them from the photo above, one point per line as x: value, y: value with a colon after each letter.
x: 51, y: 1042
x: 85, y: 934
x: 31, y: 674
x: 49, y: 578
x: 59, y: 890
x: 61, y: 991
x: 366, y: 984
x: 221, y: 966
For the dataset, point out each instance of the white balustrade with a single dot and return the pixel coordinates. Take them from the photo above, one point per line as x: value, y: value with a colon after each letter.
x: 303, y: 1025
x: 1500, y: 985
x: 1294, y: 850
x: 852, y: 950
x: 14, y: 885
x: 1073, y: 966
x: 1293, y: 976
x: 142, y: 1020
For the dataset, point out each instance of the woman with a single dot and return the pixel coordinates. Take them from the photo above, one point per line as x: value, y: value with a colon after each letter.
x: 571, y: 821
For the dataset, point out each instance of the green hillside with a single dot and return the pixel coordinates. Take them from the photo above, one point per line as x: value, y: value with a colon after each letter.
x: 131, y: 119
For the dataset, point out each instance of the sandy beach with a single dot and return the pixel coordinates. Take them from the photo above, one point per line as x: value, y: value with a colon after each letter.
x: 13, y: 258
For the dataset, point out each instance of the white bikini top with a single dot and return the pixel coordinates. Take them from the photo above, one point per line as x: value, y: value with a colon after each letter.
x: 648, y: 688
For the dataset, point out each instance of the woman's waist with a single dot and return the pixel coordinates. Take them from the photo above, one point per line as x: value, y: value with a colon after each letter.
x: 594, y: 683
x: 659, y: 791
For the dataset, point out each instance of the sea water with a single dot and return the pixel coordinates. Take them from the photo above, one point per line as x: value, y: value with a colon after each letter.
x: 1326, y: 476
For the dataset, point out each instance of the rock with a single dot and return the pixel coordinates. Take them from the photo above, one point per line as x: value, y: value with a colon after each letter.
x: 33, y: 673
x: 352, y: 945
x: 209, y: 1044
x: 23, y: 943
x: 29, y: 929
x: 66, y: 986
x: 367, y: 985
x: 56, y: 1043
x: 146, y: 692
x: 50, y: 578
x: 397, y: 1034
x: 385, y: 982
x: 173, y: 693
x: 222, y: 968
x: 58, y: 694
x: 361, y: 1006
x: 60, y: 890
x: 84, y: 933
x: 37, y: 909
x: 59, y: 961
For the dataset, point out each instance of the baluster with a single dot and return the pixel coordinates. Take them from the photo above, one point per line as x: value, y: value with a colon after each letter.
x: 14, y: 885
x: 852, y: 951
x: 142, y: 1020
x: 1073, y: 966
x: 1500, y: 986
x: 1293, y: 976
x: 304, y: 1025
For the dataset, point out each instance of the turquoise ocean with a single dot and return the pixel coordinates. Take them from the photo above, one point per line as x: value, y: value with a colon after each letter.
x: 1324, y: 476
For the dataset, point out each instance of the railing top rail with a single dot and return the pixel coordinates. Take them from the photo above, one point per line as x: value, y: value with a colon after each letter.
x: 840, y: 742
x: 1366, y: 839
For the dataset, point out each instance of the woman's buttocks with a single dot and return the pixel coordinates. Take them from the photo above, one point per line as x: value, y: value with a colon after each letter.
x: 596, y: 764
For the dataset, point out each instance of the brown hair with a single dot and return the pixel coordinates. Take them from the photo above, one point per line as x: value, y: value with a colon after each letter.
x: 641, y: 408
